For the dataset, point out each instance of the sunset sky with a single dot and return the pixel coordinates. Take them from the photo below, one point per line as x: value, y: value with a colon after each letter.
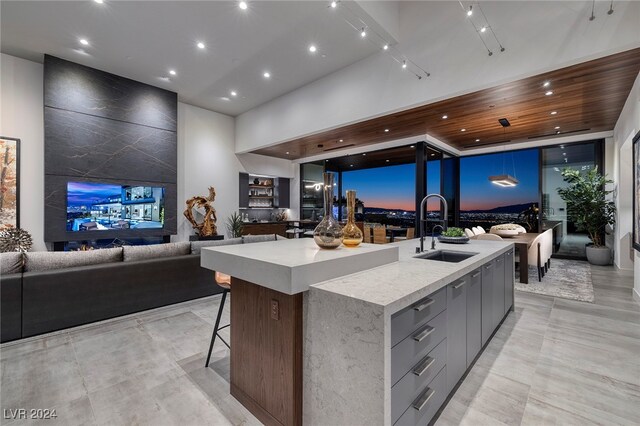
x: 393, y: 187
x: 478, y: 193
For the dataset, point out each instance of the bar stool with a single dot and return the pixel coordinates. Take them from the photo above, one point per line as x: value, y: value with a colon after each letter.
x: 224, y: 281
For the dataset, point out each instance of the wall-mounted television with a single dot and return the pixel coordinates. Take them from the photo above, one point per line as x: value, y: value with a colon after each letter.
x: 95, y: 206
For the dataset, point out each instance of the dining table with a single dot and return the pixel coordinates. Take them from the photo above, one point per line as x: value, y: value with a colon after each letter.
x: 523, y: 243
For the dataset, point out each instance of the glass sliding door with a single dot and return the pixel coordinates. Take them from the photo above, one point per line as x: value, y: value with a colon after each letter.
x: 569, y: 242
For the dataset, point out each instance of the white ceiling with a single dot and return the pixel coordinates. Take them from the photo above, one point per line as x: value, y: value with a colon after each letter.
x: 143, y: 40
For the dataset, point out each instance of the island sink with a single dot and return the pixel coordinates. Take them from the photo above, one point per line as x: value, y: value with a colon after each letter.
x: 446, y: 256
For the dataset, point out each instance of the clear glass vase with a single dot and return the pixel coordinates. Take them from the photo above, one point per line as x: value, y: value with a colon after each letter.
x: 351, y: 234
x: 328, y: 233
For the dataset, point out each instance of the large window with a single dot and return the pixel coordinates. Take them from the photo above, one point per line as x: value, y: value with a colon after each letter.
x: 387, y: 193
x: 485, y: 203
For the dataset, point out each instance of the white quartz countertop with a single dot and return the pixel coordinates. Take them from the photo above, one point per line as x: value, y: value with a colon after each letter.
x: 400, y: 284
x: 291, y: 266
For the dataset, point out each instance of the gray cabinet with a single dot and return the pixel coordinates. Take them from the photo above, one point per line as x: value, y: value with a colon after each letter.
x: 474, y: 315
x: 456, y: 331
x: 498, y: 291
x: 509, y: 279
x: 487, y: 300
x: 244, y: 190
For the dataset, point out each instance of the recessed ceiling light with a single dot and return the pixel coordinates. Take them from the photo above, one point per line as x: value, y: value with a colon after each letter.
x: 287, y: 152
x: 200, y: 45
x: 557, y: 127
x: 432, y: 154
x: 243, y: 5
x: 554, y: 112
x: 312, y: 49
x: 84, y: 42
x: 385, y: 47
x: 334, y: 4
x: 363, y: 33
x: 387, y: 161
x: 557, y: 132
x: 234, y: 93
x: 99, y: 1
x: 564, y: 153
x: 546, y: 84
x: 444, y: 117
x: 350, y: 165
x: 412, y: 146
x: 172, y: 72
x: 326, y: 161
x: 364, y: 153
x: 341, y: 140
x: 463, y: 130
x: 477, y: 140
x: 483, y: 29
x: 224, y: 98
x: 561, y: 146
x: 266, y: 74
x: 386, y: 130
x: 548, y: 92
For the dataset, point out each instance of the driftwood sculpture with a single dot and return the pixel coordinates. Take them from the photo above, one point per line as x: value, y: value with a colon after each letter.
x: 208, y: 226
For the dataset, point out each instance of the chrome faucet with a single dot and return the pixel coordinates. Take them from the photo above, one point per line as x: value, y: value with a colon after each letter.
x: 433, y: 236
x: 423, y: 205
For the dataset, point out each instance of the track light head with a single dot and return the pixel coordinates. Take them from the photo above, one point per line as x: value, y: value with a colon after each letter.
x: 490, y: 53
x: 404, y: 65
x: 363, y: 33
x: 470, y: 11
x: 334, y: 4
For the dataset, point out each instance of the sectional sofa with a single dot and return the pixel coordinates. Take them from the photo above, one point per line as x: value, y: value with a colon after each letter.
x: 49, y: 291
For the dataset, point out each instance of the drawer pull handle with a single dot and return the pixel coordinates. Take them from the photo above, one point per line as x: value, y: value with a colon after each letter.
x: 426, y: 304
x: 422, y: 400
x: 489, y: 266
x: 475, y: 275
x: 419, y: 337
x: 460, y: 284
x: 423, y: 366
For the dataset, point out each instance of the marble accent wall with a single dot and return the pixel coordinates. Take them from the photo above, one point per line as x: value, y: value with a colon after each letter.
x: 101, y: 127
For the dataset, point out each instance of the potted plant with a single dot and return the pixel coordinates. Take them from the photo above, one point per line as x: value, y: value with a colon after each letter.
x: 587, y: 204
x: 235, y: 225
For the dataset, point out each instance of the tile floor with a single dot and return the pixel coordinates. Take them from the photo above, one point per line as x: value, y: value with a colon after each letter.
x: 553, y: 361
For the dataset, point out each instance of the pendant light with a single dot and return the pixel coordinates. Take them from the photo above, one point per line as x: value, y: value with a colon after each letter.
x: 505, y: 180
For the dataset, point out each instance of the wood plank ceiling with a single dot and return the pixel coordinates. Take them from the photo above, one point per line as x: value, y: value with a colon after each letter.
x: 587, y: 97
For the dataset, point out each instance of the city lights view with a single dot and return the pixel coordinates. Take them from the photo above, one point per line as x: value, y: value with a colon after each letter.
x: 388, y: 193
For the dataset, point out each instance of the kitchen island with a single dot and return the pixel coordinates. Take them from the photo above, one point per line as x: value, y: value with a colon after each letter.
x: 371, y: 335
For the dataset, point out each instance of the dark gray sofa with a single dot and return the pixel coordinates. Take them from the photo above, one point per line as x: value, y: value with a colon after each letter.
x: 49, y: 295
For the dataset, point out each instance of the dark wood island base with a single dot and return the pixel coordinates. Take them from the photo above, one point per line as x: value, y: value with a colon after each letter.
x: 266, y: 353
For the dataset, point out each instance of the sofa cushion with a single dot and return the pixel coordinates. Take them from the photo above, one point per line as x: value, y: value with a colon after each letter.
x: 196, y: 246
x: 155, y: 251
x: 10, y: 263
x: 248, y: 239
x: 42, y: 261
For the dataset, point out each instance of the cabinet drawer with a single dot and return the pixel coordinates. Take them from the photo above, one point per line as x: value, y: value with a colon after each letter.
x: 411, y: 350
x: 409, y: 387
x: 408, y: 320
x: 425, y: 406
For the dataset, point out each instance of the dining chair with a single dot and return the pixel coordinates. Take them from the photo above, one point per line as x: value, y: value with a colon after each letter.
x: 380, y: 235
x: 469, y: 233
x: 546, y: 248
x: 492, y: 237
x: 411, y: 234
x: 534, y: 255
x: 367, y: 234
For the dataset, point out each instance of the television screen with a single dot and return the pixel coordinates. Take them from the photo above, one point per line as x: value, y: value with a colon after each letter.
x: 104, y: 206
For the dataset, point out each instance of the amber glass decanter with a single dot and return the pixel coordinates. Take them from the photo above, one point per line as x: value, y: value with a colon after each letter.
x: 328, y: 233
x: 351, y: 234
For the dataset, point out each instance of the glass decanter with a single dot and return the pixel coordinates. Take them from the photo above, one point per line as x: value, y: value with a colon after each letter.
x: 328, y: 233
x: 351, y: 234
